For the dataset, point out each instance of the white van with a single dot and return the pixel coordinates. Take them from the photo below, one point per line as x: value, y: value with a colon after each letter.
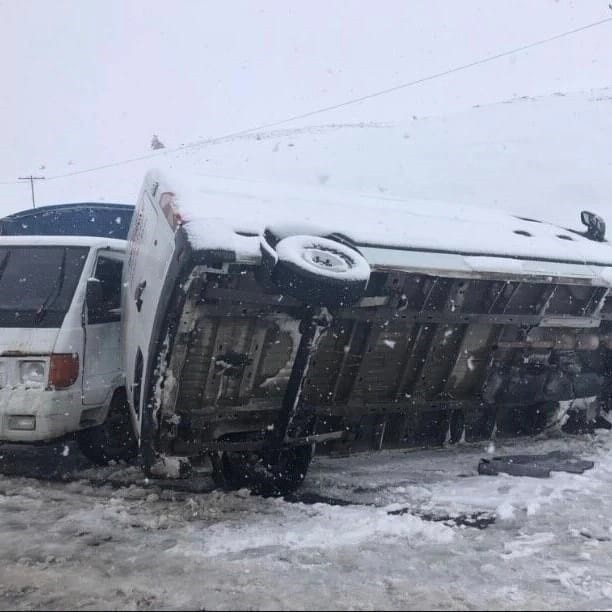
x: 261, y: 319
x: 60, y: 348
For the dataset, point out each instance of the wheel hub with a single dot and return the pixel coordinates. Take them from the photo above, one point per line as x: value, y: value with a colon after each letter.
x: 326, y: 260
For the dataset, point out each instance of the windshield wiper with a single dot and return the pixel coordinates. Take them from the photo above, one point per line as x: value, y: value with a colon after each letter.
x: 41, y: 313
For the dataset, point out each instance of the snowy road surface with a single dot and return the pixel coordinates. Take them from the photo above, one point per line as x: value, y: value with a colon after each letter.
x: 106, y: 540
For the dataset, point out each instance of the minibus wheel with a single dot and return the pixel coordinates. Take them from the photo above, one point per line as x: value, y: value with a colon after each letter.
x: 113, y: 440
x: 272, y: 473
x: 320, y: 271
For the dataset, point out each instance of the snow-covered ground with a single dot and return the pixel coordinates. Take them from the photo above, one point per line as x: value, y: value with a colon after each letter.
x: 366, y: 532
x: 547, y: 156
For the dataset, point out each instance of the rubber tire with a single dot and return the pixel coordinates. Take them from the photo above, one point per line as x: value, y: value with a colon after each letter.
x: 113, y: 440
x: 300, y: 280
x: 272, y: 474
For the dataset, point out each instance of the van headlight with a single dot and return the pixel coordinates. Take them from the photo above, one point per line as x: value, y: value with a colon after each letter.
x: 32, y: 373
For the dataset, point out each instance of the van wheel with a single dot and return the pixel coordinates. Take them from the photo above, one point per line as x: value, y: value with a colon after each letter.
x: 270, y: 474
x: 113, y: 440
x: 320, y: 271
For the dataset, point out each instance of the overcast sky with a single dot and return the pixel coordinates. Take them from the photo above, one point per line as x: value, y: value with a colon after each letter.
x: 89, y: 82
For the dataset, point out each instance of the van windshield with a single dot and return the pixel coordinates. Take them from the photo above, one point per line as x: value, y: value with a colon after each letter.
x: 37, y: 284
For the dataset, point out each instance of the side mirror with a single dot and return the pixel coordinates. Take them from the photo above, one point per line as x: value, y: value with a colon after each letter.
x: 596, y: 226
x: 93, y: 295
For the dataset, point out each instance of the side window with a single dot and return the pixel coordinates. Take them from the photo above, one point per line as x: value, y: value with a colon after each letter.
x: 137, y: 389
x: 108, y: 309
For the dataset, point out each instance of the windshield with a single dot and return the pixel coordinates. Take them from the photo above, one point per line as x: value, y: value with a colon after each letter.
x: 37, y: 284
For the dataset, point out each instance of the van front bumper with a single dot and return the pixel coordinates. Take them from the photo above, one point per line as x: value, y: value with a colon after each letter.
x: 38, y: 415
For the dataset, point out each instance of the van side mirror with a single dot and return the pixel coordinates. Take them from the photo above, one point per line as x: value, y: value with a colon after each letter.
x: 596, y: 226
x: 93, y: 295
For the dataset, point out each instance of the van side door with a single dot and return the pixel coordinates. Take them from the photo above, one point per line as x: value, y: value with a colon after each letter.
x: 102, y: 370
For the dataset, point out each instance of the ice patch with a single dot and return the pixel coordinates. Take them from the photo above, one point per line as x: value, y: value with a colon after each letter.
x: 527, y: 545
x: 317, y: 526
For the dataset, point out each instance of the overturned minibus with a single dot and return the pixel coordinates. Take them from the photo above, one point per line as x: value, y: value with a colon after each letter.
x: 261, y: 320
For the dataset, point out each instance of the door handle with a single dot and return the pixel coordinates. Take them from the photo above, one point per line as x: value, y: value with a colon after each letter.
x: 138, y: 294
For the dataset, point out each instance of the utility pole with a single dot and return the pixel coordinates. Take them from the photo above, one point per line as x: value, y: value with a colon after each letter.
x: 32, y: 179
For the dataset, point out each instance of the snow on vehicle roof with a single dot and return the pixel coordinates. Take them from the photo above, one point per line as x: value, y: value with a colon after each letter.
x: 377, y: 221
x: 89, y: 241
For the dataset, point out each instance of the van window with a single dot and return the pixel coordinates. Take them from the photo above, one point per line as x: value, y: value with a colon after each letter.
x: 108, y: 272
x: 137, y: 388
x: 37, y: 284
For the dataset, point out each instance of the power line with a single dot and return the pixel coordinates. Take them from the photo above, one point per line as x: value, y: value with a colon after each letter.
x: 324, y: 109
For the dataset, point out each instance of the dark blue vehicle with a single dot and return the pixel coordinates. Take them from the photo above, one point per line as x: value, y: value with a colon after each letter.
x: 80, y: 219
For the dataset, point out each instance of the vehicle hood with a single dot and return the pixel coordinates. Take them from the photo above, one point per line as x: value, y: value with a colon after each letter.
x: 27, y: 341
